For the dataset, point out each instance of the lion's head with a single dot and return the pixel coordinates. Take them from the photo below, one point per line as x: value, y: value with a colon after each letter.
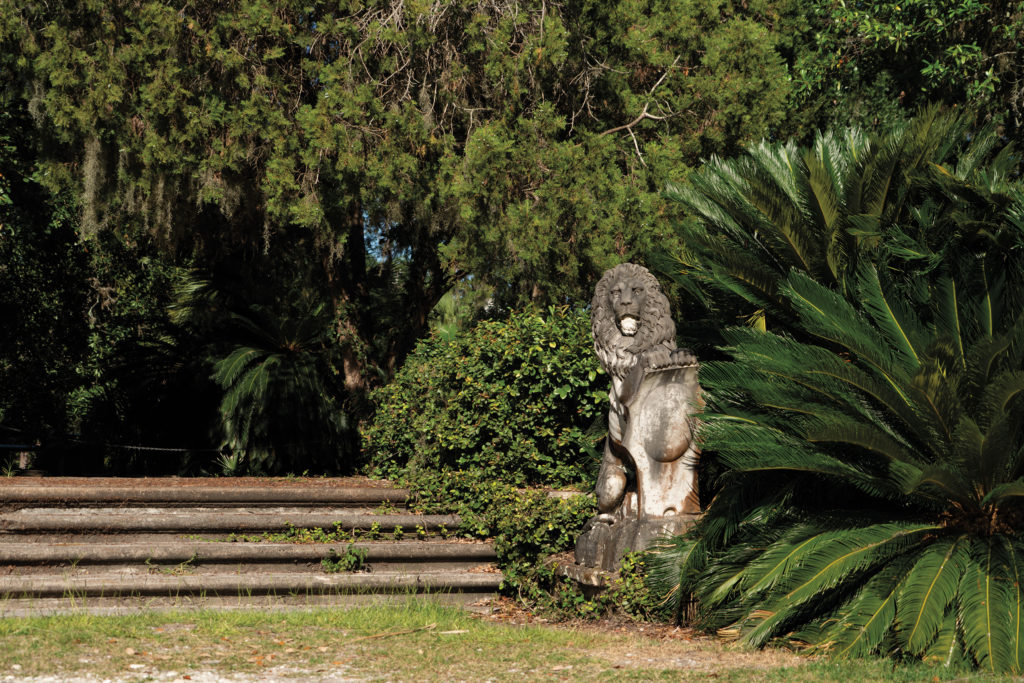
x: 628, y: 315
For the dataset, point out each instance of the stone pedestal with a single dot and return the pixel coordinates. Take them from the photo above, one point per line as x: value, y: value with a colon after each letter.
x: 602, y: 544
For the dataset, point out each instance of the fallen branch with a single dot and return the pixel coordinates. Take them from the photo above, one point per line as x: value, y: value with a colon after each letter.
x: 388, y: 634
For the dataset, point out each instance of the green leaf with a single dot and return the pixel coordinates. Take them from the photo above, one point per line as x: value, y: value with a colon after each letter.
x: 1004, y: 493
x: 892, y: 317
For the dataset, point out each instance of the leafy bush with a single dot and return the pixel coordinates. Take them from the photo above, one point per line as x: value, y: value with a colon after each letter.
x: 515, y: 399
x: 526, y: 525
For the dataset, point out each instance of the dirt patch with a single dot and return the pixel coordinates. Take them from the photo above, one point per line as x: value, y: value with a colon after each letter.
x: 651, y: 645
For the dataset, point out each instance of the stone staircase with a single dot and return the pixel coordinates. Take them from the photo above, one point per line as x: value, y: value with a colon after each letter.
x: 115, y: 545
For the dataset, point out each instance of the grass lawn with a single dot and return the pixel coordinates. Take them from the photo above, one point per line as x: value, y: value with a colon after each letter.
x: 411, y: 642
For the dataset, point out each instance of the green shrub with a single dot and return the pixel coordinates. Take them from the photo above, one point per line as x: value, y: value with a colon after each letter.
x: 525, y: 525
x: 522, y: 400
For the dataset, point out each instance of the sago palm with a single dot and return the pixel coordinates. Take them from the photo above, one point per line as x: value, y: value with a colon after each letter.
x: 821, y: 210
x: 872, y: 443
x: 872, y: 500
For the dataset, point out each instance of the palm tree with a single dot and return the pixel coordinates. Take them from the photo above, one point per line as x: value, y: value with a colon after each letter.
x: 274, y: 363
x: 872, y: 443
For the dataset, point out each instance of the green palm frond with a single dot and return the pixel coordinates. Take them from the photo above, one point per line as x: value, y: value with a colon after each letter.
x: 757, y: 448
x: 677, y: 559
x: 1012, y: 553
x: 948, y: 316
x: 893, y: 317
x: 1000, y: 394
x: 827, y: 315
x: 933, y: 389
x: 984, y: 614
x: 947, y: 648
x: 227, y: 371
x: 927, y: 591
x: 945, y: 482
x: 863, y: 623
x: 877, y: 174
x: 272, y: 359
x: 1005, y: 492
x: 831, y: 377
x: 803, y: 572
x: 869, y: 438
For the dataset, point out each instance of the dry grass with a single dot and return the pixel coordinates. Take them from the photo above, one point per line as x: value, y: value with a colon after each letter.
x: 411, y: 642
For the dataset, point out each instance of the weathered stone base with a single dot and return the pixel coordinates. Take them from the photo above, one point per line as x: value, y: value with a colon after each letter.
x: 592, y: 582
x: 602, y: 544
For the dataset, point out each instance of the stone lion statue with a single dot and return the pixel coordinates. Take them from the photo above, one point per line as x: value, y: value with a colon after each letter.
x: 633, y: 335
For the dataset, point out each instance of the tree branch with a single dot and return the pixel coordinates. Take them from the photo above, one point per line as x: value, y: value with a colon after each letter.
x: 644, y: 114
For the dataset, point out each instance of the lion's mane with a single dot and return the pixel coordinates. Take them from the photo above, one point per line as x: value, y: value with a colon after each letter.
x: 617, y: 352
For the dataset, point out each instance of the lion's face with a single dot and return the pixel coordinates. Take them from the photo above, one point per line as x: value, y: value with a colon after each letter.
x: 629, y: 315
x: 627, y: 298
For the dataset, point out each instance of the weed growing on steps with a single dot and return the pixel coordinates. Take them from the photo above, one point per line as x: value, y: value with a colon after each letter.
x: 294, y: 534
x: 337, y: 534
x: 352, y: 560
x: 10, y: 466
x: 186, y: 567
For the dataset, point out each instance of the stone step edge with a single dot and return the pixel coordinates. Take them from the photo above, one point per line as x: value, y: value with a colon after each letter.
x: 220, y: 522
x: 118, y: 606
x: 38, y: 495
x: 223, y: 552
x: 19, y: 587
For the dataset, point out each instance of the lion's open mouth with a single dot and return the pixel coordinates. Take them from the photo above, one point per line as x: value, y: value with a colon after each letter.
x: 628, y: 324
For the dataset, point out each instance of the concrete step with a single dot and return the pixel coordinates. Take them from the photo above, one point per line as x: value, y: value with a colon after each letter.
x: 382, y: 555
x: 179, y: 494
x: 130, y: 583
x: 123, y: 545
x: 204, y: 519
